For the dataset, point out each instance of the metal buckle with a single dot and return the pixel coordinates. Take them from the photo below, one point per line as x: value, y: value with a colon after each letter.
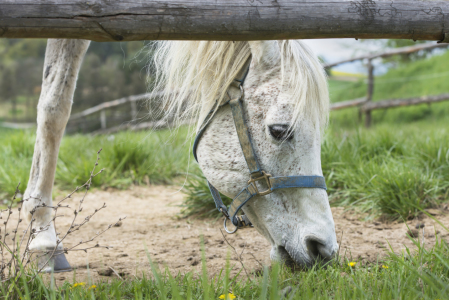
x: 224, y: 212
x: 241, y: 223
x: 244, y: 222
x: 253, y: 181
x: 226, y: 228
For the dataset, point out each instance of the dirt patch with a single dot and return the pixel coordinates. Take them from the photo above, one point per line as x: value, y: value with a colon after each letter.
x: 175, y: 243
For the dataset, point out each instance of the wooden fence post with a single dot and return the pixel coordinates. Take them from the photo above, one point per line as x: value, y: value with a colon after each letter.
x: 370, y: 90
x: 103, y: 119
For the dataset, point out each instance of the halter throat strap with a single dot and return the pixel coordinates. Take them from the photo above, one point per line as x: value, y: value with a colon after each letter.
x: 258, y: 177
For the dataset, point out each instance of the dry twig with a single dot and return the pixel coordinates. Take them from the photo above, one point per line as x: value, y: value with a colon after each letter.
x: 239, y: 257
x: 14, y: 263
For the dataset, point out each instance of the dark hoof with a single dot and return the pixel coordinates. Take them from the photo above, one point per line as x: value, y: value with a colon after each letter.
x: 49, y: 262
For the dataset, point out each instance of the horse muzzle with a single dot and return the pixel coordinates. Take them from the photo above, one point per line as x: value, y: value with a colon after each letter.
x: 311, y: 250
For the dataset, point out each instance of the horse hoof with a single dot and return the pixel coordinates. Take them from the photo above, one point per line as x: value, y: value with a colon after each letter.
x: 49, y: 262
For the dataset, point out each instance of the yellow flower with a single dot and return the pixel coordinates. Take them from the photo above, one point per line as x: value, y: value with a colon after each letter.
x: 352, y: 264
x: 229, y: 296
x: 78, y: 284
x: 384, y: 266
x: 92, y: 287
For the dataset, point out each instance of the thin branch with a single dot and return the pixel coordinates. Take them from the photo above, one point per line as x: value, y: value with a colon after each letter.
x: 239, y: 258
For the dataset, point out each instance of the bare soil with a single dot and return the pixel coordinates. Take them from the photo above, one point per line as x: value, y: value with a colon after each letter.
x: 151, y: 222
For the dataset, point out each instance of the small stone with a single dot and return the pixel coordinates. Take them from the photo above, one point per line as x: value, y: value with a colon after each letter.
x: 433, y: 212
x: 413, y: 233
x: 122, y: 255
x: 419, y: 225
x: 105, y: 272
x: 195, y: 262
x: 122, y: 273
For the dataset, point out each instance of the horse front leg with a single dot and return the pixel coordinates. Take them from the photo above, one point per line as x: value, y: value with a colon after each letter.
x: 62, y: 63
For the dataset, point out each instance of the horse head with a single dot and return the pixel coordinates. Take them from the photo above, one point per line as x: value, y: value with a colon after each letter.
x: 285, y: 107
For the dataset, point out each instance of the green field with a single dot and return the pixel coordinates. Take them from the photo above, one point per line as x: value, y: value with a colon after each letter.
x: 394, y: 170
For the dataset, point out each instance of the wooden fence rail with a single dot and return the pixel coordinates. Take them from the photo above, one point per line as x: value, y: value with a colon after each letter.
x: 131, y: 20
x: 115, y: 113
x: 397, y: 51
x: 348, y: 103
x: 369, y: 106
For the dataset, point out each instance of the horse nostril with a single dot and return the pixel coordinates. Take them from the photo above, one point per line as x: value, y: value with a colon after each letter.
x: 281, y: 132
x: 317, y: 248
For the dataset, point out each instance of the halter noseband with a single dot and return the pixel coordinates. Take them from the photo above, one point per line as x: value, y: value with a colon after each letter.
x: 257, y: 174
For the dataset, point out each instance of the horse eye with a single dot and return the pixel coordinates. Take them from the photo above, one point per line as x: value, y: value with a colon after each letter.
x: 281, y: 132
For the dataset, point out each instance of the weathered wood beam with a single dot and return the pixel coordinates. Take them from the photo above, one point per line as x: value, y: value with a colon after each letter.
x: 403, y: 102
x: 113, y: 103
x: 156, y: 125
x: 348, y: 103
x: 131, y: 20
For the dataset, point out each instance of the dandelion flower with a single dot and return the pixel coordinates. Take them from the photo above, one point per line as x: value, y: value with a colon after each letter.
x: 229, y: 296
x: 352, y: 264
x: 92, y: 287
x: 384, y: 266
x: 77, y: 284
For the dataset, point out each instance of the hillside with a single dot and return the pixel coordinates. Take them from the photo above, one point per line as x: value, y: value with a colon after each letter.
x: 423, y: 77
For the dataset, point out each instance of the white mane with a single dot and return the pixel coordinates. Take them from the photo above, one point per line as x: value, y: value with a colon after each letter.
x: 201, y: 72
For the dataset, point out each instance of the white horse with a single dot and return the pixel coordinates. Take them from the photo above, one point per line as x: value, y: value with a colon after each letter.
x: 286, y: 106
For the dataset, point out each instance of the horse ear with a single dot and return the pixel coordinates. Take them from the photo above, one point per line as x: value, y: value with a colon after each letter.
x: 266, y: 52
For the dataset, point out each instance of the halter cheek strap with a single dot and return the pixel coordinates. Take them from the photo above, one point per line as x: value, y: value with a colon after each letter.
x: 257, y: 175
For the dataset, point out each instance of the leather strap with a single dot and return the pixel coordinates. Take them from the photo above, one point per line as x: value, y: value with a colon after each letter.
x: 244, y: 137
x: 236, y: 85
x: 282, y: 182
x: 256, y: 173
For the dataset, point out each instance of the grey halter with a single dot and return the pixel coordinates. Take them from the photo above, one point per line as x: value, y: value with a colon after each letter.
x: 257, y: 174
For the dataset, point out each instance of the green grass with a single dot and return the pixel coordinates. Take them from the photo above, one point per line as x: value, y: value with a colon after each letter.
x: 423, y: 274
x: 144, y: 157
x: 423, y: 77
x: 393, y: 173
